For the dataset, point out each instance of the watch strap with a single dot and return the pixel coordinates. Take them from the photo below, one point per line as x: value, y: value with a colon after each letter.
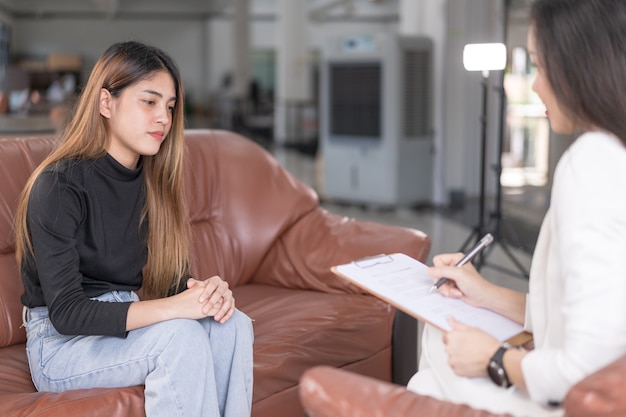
x: 495, y: 368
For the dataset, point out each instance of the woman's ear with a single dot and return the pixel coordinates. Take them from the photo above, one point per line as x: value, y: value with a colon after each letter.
x: 106, y: 99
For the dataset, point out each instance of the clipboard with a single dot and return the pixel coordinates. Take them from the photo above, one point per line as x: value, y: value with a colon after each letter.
x: 402, y: 281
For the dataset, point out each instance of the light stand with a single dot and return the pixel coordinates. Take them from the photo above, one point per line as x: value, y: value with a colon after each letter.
x: 480, y: 229
x: 487, y: 57
x: 496, y: 217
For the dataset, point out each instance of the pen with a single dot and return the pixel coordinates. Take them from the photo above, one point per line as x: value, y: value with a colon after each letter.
x: 482, y: 244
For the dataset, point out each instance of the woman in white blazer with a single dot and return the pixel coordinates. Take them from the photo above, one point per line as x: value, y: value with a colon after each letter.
x: 575, y: 306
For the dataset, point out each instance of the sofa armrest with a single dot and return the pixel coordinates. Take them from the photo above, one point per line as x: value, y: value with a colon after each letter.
x: 601, y: 394
x: 302, y: 256
x: 330, y: 392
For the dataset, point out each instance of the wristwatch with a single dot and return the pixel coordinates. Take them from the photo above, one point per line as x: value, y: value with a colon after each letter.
x: 495, y: 368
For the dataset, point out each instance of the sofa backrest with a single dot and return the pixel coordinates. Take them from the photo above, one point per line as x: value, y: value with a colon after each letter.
x: 241, y: 200
x: 239, y: 197
x: 18, y: 158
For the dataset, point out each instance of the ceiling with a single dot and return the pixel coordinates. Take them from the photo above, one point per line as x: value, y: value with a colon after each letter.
x: 112, y: 8
x: 186, y: 9
x: 365, y: 10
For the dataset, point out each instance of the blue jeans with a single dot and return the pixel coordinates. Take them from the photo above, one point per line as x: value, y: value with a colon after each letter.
x: 190, y: 368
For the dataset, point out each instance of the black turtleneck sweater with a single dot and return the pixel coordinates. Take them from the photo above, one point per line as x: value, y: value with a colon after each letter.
x: 83, y: 219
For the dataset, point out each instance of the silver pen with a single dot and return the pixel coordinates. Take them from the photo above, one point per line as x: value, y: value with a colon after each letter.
x: 482, y: 244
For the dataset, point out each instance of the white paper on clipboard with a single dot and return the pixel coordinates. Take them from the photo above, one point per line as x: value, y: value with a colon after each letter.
x: 403, y: 282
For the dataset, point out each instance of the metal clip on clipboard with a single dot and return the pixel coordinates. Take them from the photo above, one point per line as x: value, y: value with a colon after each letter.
x: 371, y: 261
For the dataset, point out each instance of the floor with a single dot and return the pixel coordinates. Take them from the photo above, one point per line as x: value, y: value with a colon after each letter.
x: 506, y: 261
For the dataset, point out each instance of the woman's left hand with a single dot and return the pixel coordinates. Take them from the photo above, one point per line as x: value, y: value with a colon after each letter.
x: 217, y: 298
x: 469, y: 349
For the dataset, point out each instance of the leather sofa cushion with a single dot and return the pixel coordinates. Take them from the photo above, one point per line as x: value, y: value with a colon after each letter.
x: 18, y: 393
x: 295, y: 330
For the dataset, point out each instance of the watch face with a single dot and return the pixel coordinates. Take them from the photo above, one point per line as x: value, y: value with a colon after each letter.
x: 497, y: 374
x: 495, y: 369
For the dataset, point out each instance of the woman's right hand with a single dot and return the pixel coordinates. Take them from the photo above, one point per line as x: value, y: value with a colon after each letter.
x: 217, y: 297
x: 463, y: 282
x: 185, y: 305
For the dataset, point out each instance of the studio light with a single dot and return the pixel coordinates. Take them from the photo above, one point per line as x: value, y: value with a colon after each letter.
x: 484, y: 56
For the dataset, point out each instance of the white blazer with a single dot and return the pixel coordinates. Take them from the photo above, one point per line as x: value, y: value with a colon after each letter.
x: 576, y: 306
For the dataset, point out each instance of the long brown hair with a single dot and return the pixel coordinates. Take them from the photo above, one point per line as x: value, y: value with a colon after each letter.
x: 86, y: 136
x: 581, y: 44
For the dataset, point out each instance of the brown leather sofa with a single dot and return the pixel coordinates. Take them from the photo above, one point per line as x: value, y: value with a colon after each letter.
x: 263, y: 231
x: 328, y: 392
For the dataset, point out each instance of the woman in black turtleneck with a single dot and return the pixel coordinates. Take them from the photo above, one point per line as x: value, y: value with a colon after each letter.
x: 104, y: 216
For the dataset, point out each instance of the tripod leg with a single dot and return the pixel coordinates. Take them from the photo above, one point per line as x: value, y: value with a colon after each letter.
x: 513, y: 259
x: 498, y: 240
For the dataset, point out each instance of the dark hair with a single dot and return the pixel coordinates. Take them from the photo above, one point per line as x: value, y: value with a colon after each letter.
x: 139, y: 60
x: 582, y: 46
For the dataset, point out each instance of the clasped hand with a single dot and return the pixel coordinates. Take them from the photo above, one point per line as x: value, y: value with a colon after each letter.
x: 211, y: 297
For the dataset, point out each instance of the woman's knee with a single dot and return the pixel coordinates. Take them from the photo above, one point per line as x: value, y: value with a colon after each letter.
x: 241, y: 324
x: 237, y: 329
x: 242, y: 319
x: 183, y: 333
x: 180, y: 333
